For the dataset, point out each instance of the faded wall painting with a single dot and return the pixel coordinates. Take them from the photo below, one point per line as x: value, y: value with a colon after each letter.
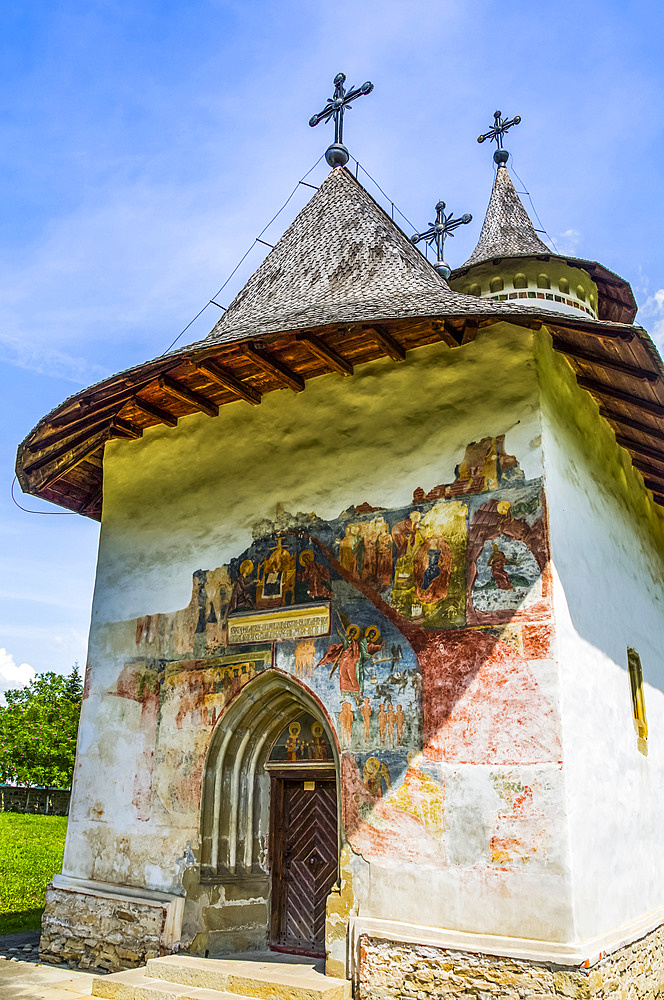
x: 424, y: 632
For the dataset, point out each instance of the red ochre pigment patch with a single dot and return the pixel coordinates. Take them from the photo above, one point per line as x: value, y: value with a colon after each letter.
x: 482, y: 704
x: 536, y: 640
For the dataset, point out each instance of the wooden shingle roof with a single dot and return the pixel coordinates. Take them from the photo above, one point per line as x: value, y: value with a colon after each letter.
x: 508, y: 234
x: 343, y: 286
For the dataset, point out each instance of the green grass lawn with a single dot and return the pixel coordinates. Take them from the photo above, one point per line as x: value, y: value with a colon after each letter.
x: 31, y: 849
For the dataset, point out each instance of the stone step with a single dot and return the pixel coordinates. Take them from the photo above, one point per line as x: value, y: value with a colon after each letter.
x: 134, y: 984
x: 259, y: 979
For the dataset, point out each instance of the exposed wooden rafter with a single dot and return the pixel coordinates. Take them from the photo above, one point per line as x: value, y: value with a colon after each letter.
x: 272, y: 366
x: 229, y: 381
x: 602, y: 389
x: 327, y: 354
x: 150, y: 410
x: 637, y: 425
x: 391, y: 346
x: 604, y: 361
x: 187, y: 395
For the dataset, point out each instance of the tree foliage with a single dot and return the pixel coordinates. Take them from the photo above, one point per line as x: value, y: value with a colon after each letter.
x: 38, y: 728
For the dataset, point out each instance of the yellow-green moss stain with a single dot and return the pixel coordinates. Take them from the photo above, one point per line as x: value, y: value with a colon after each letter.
x: 590, y: 442
x: 186, y: 497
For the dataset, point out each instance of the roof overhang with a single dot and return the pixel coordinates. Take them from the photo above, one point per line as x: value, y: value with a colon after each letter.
x: 616, y: 302
x: 61, y: 459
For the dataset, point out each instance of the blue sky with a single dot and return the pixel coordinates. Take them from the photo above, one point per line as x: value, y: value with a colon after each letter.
x: 143, y: 146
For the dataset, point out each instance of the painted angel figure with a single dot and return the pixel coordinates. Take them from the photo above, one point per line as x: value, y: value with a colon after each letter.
x: 350, y: 655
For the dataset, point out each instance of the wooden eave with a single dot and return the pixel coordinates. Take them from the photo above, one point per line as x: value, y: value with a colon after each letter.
x: 61, y: 460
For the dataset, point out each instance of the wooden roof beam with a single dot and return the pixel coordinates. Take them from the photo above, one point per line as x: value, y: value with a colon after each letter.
x: 448, y: 332
x: 641, y: 449
x: 644, y: 374
x: 229, y: 381
x: 125, y: 428
x: 187, y: 395
x: 150, y: 410
x: 383, y: 339
x: 637, y: 425
x: 81, y: 457
x: 650, y: 406
x: 53, y: 456
x: 273, y: 367
x: 586, y: 327
x: 325, y: 353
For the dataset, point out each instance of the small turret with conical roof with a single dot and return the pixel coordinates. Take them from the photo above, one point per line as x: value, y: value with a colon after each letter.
x: 511, y: 262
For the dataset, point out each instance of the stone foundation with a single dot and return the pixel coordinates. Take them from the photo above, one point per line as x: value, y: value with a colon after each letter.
x: 394, y: 971
x: 103, y: 927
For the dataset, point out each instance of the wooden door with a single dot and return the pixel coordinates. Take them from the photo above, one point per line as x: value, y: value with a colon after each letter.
x: 304, y: 861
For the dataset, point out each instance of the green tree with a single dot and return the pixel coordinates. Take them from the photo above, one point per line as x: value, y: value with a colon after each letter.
x: 38, y: 727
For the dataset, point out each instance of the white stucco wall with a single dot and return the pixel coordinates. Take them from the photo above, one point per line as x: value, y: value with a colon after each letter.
x: 607, y: 542
x: 186, y: 498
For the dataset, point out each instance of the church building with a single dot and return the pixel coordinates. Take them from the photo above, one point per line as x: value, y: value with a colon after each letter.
x: 375, y: 666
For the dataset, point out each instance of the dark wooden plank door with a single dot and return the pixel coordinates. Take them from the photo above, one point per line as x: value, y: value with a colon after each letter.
x: 307, y: 867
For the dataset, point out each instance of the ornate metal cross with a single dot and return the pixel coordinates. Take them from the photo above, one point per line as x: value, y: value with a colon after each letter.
x: 437, y: 232
x: 500, y: 127
x: 337, y: 155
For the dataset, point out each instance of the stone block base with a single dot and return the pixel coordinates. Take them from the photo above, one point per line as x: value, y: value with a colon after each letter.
x: 106, y: 927
x: 391, y: 970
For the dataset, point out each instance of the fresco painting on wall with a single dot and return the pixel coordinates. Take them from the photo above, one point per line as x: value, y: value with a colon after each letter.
x: 413, y: 627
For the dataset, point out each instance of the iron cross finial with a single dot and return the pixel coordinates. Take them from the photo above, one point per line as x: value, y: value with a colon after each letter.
x: 337, y: 155
x: 500, y: 127
x: 437, y: 232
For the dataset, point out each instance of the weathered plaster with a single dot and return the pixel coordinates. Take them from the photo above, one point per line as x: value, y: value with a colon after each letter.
x: 463, y: 805
x: 186, y: 497
x: 607, y: 540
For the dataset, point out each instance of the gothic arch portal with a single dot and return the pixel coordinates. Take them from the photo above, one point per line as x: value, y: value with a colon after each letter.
x: 235, y: 802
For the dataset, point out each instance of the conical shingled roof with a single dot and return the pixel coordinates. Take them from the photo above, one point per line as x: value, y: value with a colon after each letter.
x: 342, y: 260
x: 507, y: 229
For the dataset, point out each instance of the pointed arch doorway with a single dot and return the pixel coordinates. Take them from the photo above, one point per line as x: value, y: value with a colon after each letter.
x: 270, y: 808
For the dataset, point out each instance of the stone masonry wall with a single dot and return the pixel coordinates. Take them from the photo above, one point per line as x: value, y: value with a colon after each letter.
x: 395, y: 971
x: 99, y: 932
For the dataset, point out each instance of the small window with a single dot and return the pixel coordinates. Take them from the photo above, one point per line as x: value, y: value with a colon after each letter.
x: 592, y: 300
x: 543, y: 281
x: 638, y: 696
x: 581, y: 293
x: 520, y: 281
x: 497, y: 284
x: 563, y: 285
x: 475, y: 289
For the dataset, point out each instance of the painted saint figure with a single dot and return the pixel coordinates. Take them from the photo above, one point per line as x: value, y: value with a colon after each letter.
x: 292, y: 743
x: 318, y: 746
x: 346, y: 722
x: 390, y: 724
x: 399, y: 718
x: 315, y: 575
x: 382, y: 719
x: 366, y: 715
x: 497, y: 561
x: 240, y: 596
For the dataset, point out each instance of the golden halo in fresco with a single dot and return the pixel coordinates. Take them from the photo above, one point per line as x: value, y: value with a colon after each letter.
x: 309, y: 557
x: 503, y: 506
x: 316, y: 729
x: 371, y: 767
x: 246, y: 567
x: 294, y: 728
x: 372, y: 633
x: 353, y: 631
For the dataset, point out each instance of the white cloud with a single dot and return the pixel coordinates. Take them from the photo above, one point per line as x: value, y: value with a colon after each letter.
x: 653, y: 310
x: 13, y: 674
x: 568, y: 241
